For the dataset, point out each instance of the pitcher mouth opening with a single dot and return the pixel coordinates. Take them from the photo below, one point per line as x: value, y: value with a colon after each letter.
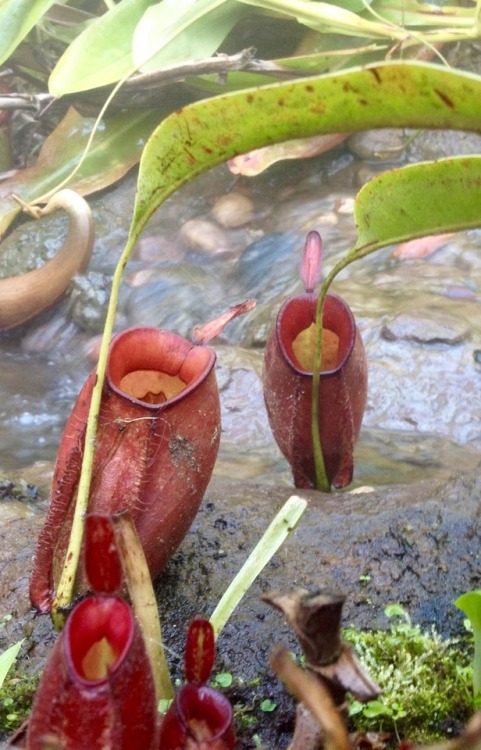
x: 296, y: 333
x: 99, y: 633
x: 152, y: 367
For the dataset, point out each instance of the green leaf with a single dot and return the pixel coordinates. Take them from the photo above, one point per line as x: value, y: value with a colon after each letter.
x: 212, y: 131
x: 376, y: 708
x: 396, y: 610
x: 331, y: 17
x: 93, y: 59
x: 356, y: 707
x: 171, y: 32
x: 418, y: 200
x: 223, y: 679
x: 7, y: 659
x: 470, y: 604
x: 116, y: 148
x: 17, y: 18
x: 268, y: 706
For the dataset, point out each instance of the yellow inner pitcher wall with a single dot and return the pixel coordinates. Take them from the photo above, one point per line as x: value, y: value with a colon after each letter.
x: 99, y: 660
x: 303, y: 347
x: 152, y: 386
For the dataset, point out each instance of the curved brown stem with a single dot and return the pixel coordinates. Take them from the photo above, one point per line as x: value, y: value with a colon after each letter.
x: 25, y: 296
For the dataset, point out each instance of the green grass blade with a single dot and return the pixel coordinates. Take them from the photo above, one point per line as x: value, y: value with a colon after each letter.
x: 7, y: 659
x: 277, y: 532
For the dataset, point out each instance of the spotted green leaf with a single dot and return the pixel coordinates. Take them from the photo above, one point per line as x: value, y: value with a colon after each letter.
x: 418, y: 200
x: 214, y: 130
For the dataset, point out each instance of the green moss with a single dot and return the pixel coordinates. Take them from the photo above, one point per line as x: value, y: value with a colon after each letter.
x: 426, y: 681
x: 16, y: 697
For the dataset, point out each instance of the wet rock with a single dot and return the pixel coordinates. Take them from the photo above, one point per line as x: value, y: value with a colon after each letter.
x: 204, y: 235
x: 153, y: 249
x: 427, y: 390
x: 233, y: 210
x: 32, y: 243
x: 385, y: 144
x: 421, y: 327
x: 269, y: 265
x: 49, y: 336
x: 436, y: 144
x: 21, y: 518
x: 174, y: 297
x: 89, y: 301
x: 248, y: 451
x: 416, y: 545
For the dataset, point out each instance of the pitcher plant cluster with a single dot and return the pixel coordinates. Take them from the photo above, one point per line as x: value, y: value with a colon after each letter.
x: 98, y: 688
x: 156, y: 441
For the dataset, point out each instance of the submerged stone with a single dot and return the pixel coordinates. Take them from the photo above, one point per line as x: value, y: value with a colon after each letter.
x: 421, y: 327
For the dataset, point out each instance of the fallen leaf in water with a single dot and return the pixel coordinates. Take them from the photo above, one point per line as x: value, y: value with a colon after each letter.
x: 421, y: 247
x: 116, y: 147
x: 255, y: 162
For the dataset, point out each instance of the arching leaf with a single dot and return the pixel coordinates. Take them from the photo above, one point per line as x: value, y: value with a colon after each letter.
x: 171, y: 32
x: 17, y: 18
x: 212, y: 131
x: 418, y: 200
x: 92, y: 59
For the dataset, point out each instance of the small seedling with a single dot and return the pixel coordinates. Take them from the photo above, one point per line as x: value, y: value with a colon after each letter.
x: 222, y: 680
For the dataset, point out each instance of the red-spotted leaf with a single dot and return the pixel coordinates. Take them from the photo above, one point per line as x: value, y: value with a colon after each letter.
x: 199, y: 651
x: 102, y: 562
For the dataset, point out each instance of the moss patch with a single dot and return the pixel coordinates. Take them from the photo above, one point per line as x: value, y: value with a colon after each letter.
x: 426, y: 680
x: 16, y: 696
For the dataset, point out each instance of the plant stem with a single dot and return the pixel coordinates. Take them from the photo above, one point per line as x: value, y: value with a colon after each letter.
x: 315, y: 696
x: 64, y: 593
x: 322, y: 482
x: 276, y: 533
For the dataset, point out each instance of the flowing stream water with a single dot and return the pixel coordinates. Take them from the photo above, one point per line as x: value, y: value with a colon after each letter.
x: 222, y: 239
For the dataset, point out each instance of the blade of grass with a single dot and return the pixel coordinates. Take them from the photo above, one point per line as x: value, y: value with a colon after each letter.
x: 7, y: 659
x: 276, y: 533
